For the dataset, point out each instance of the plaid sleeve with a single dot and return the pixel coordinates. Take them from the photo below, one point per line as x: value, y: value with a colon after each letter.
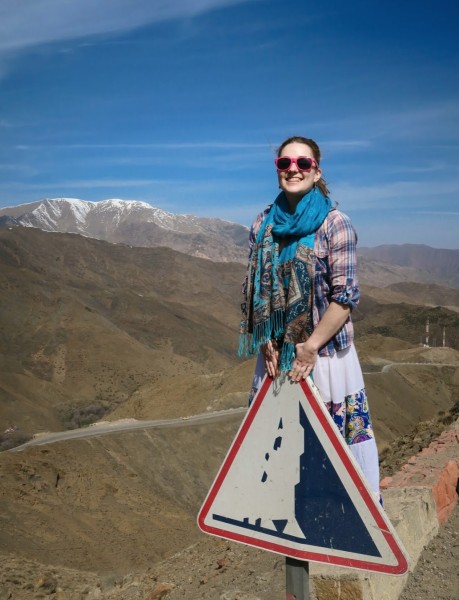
x: 343, y: 261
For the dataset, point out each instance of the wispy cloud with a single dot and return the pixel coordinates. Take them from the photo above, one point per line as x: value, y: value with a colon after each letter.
x: 427, y: 122
x: 346, y: 144
x: 32, y: 22
x: 438, y: 120
x: 155, y: 146
x: 401, y: 194
x: 84, y: 184
x: 427, y: 166
x: 447, y: 213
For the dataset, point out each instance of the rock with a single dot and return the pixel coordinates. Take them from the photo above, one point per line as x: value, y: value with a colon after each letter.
x: 222, y: 562
x: 47, y: 584
x: 160, y: 590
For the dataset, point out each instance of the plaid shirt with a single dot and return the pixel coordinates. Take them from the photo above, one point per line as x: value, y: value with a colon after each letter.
x: 335, y: 276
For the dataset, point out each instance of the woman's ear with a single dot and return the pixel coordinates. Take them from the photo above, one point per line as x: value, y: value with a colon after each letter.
x: 317, y: 174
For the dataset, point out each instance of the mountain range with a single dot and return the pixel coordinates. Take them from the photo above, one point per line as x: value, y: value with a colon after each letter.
x: 134, y: 223
x: 409, y: 262
x: 131, y: 327
x: 137, y: 223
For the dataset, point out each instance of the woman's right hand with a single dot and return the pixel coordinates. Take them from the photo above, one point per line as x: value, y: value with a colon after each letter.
x: 270, y: 353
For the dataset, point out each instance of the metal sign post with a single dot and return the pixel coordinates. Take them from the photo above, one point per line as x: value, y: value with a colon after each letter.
x: 297, y: 579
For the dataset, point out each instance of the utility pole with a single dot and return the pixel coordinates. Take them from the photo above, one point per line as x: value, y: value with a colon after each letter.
x: 427, y: 331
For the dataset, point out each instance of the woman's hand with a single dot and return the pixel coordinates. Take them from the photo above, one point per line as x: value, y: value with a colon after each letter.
x: 306, y: 356
x: 306, y: 353
x: 271, y: 355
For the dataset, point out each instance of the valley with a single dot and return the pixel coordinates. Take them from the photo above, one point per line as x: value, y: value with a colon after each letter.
x: 142, y: 341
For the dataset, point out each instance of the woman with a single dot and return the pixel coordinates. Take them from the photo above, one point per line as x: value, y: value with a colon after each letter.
x: 300, y: 290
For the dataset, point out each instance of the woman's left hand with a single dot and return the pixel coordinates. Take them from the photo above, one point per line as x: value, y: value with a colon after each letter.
x: 306, y: 356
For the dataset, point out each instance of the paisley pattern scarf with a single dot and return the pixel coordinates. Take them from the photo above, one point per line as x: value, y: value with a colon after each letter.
x: 275, y: 308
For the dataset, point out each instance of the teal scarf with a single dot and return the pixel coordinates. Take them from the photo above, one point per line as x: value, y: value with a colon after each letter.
x: 276, y: 307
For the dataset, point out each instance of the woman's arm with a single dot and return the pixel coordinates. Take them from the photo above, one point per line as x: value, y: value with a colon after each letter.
x: 343, y: 294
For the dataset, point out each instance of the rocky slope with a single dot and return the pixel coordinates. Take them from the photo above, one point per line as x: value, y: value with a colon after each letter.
x: 109, y: 545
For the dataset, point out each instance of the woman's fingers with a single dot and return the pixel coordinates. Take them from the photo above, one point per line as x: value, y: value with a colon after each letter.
x: 303, y: 363
x: 271, y: 356
x: 300, y: 371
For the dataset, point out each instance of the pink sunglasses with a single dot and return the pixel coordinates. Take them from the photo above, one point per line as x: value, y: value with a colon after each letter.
x: 303, y: 163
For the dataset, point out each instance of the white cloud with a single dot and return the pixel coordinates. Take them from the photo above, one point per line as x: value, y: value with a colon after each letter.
x: 28, y: 23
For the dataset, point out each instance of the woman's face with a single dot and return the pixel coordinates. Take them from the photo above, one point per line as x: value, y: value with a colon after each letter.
x: 293, y: 182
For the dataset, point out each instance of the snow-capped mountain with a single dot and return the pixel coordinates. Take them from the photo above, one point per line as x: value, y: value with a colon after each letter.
x: 137, y: 224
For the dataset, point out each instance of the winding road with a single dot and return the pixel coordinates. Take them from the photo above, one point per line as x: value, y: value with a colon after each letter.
x: 106, y: 427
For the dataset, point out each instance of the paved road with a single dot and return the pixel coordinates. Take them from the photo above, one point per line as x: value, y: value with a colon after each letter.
x: 387, y: 368
x: 126, y: 425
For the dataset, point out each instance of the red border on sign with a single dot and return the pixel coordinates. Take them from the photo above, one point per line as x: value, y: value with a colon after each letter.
x: 333, y: 435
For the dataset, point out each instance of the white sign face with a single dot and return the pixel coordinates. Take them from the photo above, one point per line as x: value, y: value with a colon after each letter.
x: 290, y: 485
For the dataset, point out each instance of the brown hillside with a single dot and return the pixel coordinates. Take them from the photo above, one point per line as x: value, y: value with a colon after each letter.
x: 406, y: 322
x: 123, y: 501
x: 427, y: 294
x: 84, y: 323
x: 443, y: 263
x: 183, y: 395
x: 111, y: 504
x: 88, y: 328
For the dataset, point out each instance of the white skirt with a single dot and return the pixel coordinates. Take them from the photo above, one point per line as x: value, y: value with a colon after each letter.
x: 339, y: 375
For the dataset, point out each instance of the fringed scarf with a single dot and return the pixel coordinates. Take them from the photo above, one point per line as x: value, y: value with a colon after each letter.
x: 269, y: 312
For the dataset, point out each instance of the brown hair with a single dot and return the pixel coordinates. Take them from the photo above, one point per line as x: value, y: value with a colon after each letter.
x: 321, y: 184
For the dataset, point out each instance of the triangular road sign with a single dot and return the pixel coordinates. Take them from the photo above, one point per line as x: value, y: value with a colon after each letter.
x: 290, y: 485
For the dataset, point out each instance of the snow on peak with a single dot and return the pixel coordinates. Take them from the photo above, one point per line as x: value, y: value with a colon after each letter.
x: 124, y: 204
x: 52, y: 210
x: 84, y: 216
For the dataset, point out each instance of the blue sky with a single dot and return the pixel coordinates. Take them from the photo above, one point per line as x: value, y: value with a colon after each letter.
x: 181, y: 103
